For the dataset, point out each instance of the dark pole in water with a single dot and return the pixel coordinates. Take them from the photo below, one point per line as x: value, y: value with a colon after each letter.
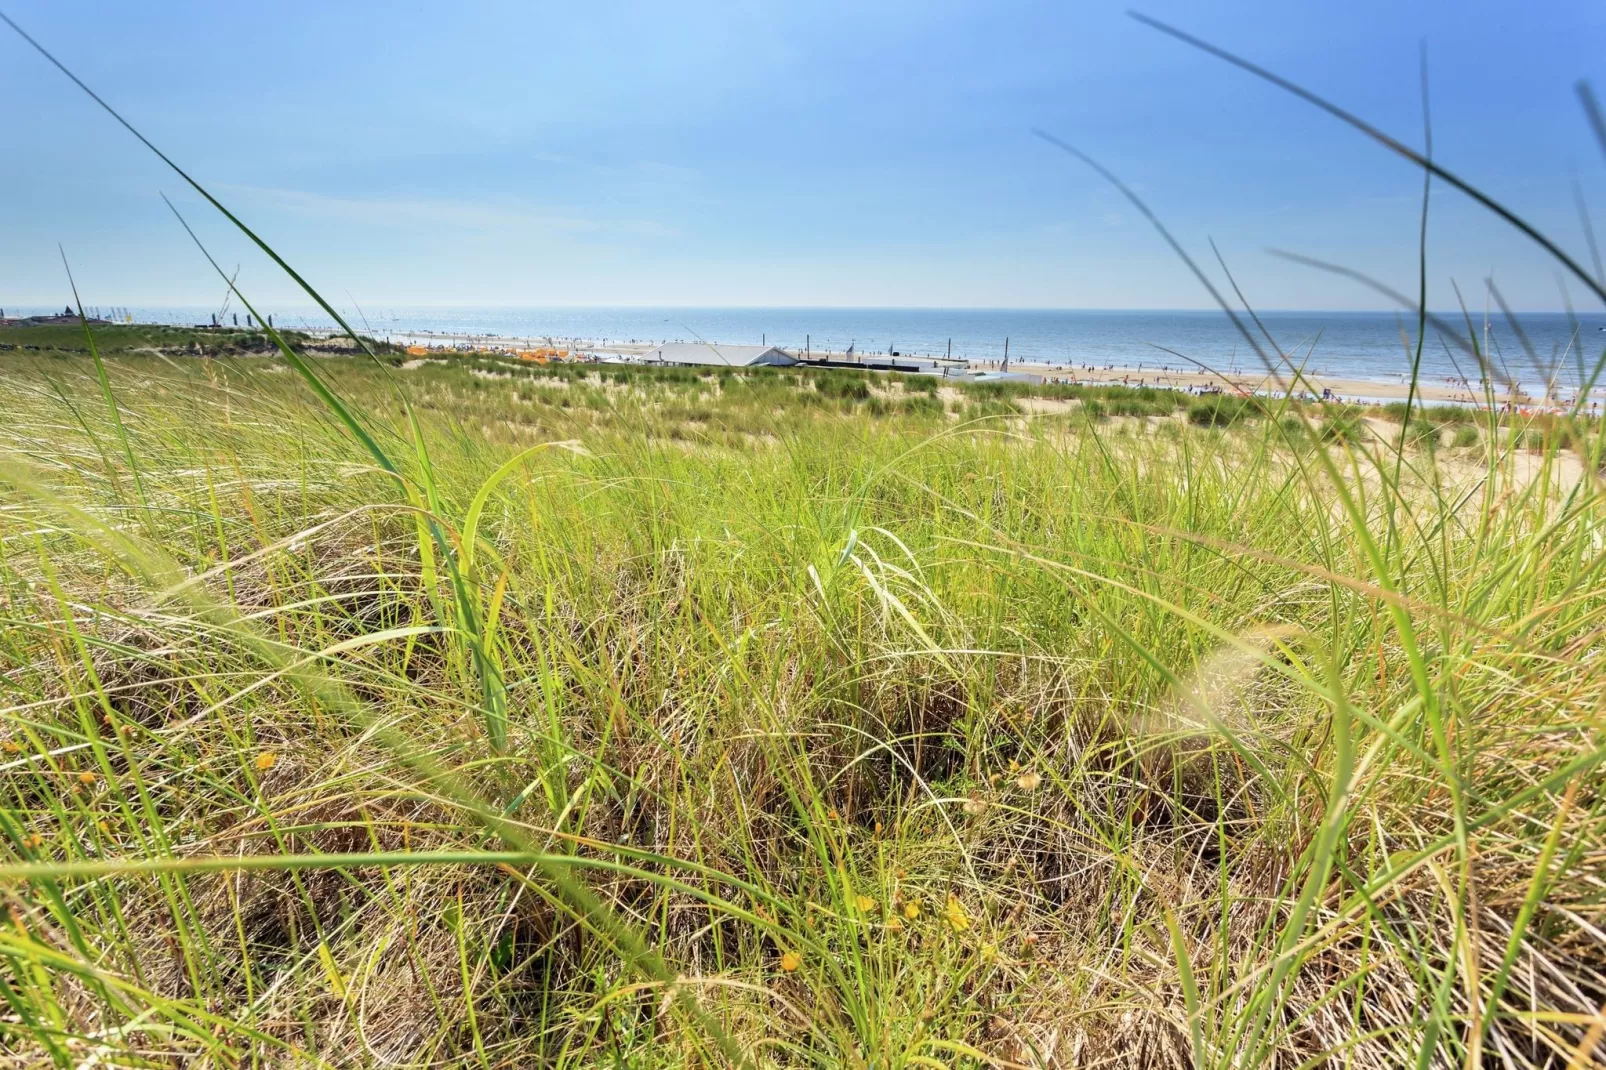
x: 950, y: 349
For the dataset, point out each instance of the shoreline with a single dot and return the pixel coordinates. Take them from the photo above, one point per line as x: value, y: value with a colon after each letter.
x: 1348, y: 388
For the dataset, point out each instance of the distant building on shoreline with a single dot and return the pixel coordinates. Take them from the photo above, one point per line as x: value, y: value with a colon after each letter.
x: 719, y: 356
x: 66, y: 319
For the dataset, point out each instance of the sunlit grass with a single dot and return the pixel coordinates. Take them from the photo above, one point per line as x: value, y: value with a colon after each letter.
x: 901, y: 733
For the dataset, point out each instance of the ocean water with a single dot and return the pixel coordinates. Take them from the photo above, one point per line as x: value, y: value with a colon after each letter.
x: 1359, y: 345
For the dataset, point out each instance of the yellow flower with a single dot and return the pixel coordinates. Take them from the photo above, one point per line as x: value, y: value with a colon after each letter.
x: 911, y: 910
x: 895, y: 925
x: 989, y: 952
x: 1030, y: 779
x: 791, y: 961
x: 864, y: 903
x: 12, y: 747
x: 265, y: 760
x: 33, y: 841
x: 956, y: 915
x: 86, y: 777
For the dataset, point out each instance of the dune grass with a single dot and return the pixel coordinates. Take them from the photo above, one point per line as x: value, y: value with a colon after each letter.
x: 860, y: 733
x: 155, y: 339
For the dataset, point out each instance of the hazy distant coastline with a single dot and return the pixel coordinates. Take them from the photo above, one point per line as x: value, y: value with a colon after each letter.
x: 1361, y: 350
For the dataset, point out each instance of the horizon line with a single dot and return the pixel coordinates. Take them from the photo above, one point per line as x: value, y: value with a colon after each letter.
x: 1259, y: 310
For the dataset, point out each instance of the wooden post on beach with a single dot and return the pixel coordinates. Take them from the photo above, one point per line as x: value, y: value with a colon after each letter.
x: 950, y: 349
x: 1005, y: 368
x: 807, y: 352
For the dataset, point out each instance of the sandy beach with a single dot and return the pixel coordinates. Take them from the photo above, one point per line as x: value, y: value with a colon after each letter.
x: 1347, y: 389
x: 1359, y: 390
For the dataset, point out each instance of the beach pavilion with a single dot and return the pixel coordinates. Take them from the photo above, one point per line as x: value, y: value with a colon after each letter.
x: 720, y: 356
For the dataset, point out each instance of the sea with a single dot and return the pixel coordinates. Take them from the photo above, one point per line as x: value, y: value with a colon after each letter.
x: 1531, y: 349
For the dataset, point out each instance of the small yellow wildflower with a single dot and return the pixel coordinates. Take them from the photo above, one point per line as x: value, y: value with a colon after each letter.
x: 865, y: 904
x: 958, y: 919
x: 895, y: 925
x: 791, y: 961
x: 86, y: 777
x: 1030, y: 780
x: 265, y: 760
x: 911, y: 910
x: 12, y: 747
x: 33, y: 841
x: 989, y: 952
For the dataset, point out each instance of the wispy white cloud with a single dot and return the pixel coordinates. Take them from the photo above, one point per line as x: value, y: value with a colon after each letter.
x: 476, y: 215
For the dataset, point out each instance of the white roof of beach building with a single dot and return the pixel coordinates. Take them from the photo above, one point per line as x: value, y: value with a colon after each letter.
x: 718, y: 355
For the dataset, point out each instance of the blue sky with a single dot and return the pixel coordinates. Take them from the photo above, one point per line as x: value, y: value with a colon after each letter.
x: 853, y: 153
